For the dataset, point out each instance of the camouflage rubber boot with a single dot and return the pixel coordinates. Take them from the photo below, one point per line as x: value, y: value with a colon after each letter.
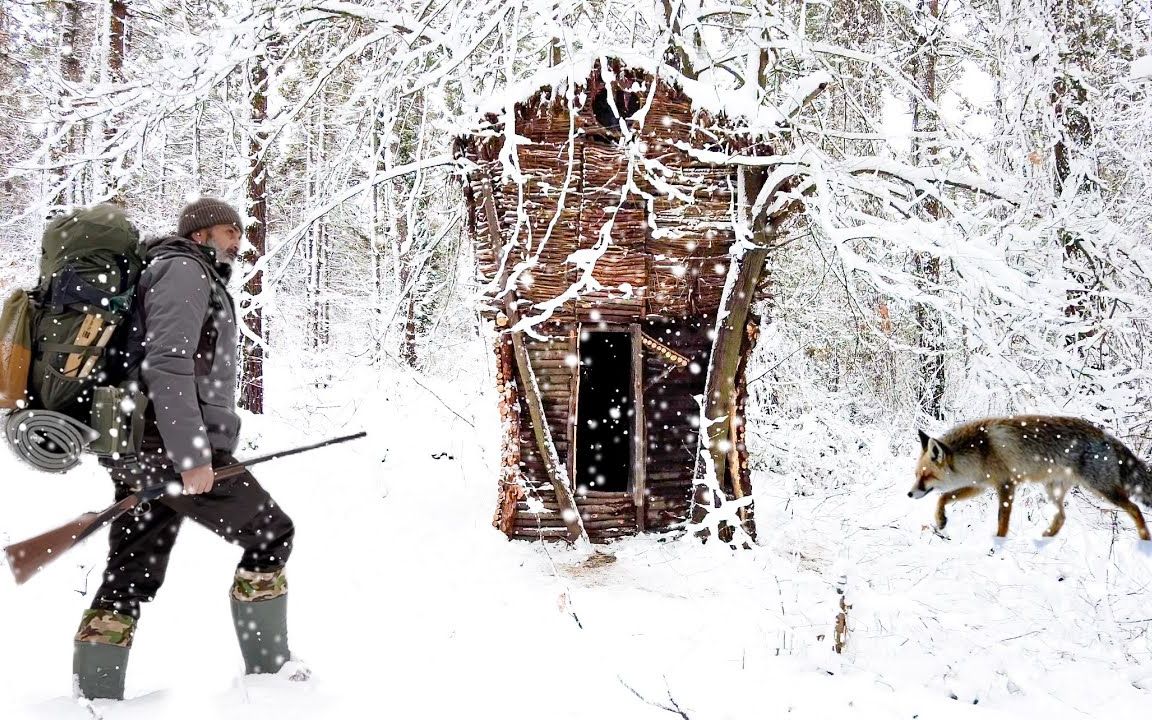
x: 100, y: 654
x: 260, y: 615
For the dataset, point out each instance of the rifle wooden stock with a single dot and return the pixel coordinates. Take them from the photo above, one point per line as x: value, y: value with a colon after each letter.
x: 32, y: 555
x: 28, y: 557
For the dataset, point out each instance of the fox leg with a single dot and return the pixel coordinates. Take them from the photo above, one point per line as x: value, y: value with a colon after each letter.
x: 1120, y: 499
x: 1138, y: 518
x: 950, y: 497
x: 1005, y: 494
x: 1056, y: 495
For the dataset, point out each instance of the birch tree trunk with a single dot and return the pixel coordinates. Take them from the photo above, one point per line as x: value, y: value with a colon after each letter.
x: 378, y: 240
x: 317, y: 247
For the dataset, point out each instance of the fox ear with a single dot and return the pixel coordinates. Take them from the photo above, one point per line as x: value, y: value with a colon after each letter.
x: 938, y: 452
x: 924, y: 440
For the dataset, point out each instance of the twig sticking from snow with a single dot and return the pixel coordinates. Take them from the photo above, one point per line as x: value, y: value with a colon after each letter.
x: 675, y: 708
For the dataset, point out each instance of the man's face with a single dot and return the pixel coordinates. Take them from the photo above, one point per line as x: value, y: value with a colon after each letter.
x: 225, y: 238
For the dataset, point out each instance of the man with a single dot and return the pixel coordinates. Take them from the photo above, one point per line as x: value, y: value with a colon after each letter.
x: 183, y: 338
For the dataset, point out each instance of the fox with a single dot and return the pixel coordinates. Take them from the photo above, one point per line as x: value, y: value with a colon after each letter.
x: 1000, y: 453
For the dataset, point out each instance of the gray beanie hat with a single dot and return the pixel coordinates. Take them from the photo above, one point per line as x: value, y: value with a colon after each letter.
x: 204, y: 213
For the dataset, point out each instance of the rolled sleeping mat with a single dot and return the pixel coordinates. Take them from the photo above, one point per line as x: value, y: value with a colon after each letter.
x: 48, y: 440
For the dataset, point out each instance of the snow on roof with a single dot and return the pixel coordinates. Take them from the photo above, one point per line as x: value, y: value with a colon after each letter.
x: 740, y: 104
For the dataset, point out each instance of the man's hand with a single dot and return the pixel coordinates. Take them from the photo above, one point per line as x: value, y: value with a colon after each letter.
x: 198, y: 480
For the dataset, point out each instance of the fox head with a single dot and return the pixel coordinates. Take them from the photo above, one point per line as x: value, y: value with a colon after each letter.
x: 936, y: 469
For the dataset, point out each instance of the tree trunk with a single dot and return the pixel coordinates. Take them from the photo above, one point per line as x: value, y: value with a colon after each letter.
x: 402, y: 252
x: 68, y: 192
x: 252, y: 379
x: 1074, y: 136
x: 316, y: 246
x: 926, y: 266
x: 402, y: 203
x: 9, y: 132
x: 676, y: 53
x: 117, y: 51
x: 117, y: 39
x: 408, y: 344
x: 324, y: 270
x: 378, y: 254
x: 716, y: 438
x: 70, y: 38
x: 554, y: 55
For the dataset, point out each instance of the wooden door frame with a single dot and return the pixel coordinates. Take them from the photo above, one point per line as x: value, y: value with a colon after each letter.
x: 639, y: 464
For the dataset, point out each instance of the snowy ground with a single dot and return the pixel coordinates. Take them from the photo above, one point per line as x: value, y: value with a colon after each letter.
x: 405, y: 602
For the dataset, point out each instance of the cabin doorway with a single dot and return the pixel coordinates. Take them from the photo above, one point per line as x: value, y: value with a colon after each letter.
x: 606, y: 412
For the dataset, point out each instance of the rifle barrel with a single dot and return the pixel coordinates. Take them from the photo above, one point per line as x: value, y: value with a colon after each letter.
x: 236, y: 468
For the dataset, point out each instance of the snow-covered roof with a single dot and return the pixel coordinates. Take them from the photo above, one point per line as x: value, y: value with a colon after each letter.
x: 738, y: 105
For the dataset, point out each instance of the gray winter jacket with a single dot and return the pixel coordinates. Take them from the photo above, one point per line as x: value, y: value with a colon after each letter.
x: 186, y: 327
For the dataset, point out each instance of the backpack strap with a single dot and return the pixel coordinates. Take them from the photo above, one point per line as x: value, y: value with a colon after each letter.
x: 66, y: 348
x: 81, y: 358
x: 69, y: 288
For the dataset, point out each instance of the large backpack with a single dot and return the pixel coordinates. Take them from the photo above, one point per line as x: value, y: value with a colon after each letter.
x: 65, y: 336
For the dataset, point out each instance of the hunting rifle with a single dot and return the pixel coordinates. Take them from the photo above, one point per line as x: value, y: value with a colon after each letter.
x: 31, y: 556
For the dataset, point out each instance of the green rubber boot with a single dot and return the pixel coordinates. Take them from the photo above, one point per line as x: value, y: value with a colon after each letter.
x: 100, y: 654
x: 260, y: 618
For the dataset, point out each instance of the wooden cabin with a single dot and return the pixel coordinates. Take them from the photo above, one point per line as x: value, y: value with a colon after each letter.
x: 613, y: 241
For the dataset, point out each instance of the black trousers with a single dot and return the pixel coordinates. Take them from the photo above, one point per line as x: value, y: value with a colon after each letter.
x: 238, y: 509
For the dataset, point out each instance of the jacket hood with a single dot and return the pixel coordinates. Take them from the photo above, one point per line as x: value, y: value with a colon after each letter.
x: 174, y: 245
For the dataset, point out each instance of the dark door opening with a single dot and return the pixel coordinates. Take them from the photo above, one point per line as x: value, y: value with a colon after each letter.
x: 604, y: 421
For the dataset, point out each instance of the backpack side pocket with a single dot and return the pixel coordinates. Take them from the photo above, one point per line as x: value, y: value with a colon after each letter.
x: 15, y: 349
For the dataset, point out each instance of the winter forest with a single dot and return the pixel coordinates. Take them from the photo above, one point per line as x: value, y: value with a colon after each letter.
x: 935, y: 211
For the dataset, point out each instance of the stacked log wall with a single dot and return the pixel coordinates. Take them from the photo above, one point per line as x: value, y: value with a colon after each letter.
x: 669, y: 234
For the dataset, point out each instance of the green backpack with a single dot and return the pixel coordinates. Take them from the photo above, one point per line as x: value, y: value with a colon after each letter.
x: 66, y: 334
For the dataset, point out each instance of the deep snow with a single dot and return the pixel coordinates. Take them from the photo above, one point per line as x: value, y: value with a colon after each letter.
x: 405, y: 602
